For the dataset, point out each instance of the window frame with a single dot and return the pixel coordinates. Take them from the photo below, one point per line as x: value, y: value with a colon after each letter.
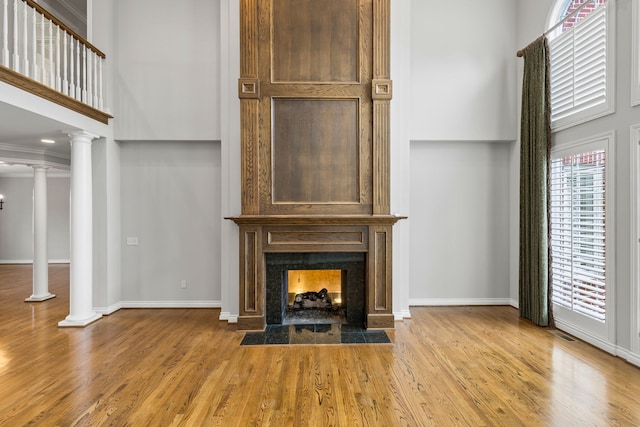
x: 607, y: 107
x: 635, y: 238
x: 591, y: 330
x: 635, y: 55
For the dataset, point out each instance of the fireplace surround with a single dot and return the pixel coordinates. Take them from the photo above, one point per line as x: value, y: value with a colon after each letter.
x: 315, y: 94
x: 367, y: 236
x: 352, y: 269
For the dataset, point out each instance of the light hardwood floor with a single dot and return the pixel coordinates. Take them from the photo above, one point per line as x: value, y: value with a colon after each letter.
x: 447, y: 366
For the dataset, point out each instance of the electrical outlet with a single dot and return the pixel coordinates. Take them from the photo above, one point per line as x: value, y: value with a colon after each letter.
x: 132, y: 241
x: 183, y: 284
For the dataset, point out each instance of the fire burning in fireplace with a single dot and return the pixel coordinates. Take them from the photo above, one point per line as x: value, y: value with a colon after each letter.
x: 314, y: 289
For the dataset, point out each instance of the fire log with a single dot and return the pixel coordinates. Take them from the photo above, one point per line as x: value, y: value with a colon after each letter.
x: 312, y: 300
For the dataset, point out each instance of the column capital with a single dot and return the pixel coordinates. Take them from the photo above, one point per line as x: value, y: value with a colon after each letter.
x: 40, y: 167
x: 82, y: 136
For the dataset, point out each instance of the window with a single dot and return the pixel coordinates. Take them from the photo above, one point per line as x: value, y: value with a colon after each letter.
x: 581, y: 54
x: 580, y: 236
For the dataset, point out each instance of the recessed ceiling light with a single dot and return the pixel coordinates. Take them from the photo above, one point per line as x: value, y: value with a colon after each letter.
x: 48, y: 141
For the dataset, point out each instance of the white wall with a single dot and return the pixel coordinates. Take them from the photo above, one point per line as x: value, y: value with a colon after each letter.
x: 462, y: 122
x: 171, y: 204
x: 459, y: 228
x: 16, y: 219
x: 463, y: 70
x: 166, y: 55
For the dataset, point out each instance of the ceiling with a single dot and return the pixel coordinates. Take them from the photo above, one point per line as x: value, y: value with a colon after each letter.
x: 22, y: 130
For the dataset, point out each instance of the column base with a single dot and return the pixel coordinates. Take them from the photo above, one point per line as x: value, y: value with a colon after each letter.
x: 71, y: 322
x: 34, y: 298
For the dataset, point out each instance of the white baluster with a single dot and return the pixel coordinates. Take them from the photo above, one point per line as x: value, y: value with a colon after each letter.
x: 72, y: 86
x: 34, y: 45
x: 94, y: 85
x: 94, y: 89
x: 89, y: 77
x: 5, y: 33
x: 84, y: 74
x: 65, y: 69
x: 58, y: 79
x: 16, y: 57
x: 100, y: 99
x: 43, y: 64
x: 78, y: 88
x: 25, y: 41
x: 51, y: 78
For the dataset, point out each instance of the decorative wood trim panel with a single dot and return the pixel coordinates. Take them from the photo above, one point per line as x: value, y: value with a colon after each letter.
x: 381, y: 158
x: 250, y: 156
x: 379, y: 304
x: 252, y: 282
x: 310, y: 220
x: 250, y: 254
x: 380, y: 252
x: 380, y: 321
x: 381, y: 94
x: 381, y: 39
x: 251, y: 323
x: 248, y: 38
x: 381, y: 89
x: 20, y: 81
x: 316, y: 239
x: 248, y: 88
x: 249, y: 105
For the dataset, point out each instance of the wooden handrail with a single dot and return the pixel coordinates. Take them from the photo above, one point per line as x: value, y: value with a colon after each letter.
x: 59, y: 23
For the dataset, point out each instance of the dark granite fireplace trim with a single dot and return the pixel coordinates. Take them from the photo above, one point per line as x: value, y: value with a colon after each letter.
x: 353, y: 265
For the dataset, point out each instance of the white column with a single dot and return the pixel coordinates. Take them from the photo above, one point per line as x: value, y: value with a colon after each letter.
x: 81, y: 268
x: 40, y: 241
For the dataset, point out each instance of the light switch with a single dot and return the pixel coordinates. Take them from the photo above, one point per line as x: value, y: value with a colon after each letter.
x: 132, y: 241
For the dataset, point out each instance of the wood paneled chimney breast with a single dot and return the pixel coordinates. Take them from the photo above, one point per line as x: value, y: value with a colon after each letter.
x: 314, y: 95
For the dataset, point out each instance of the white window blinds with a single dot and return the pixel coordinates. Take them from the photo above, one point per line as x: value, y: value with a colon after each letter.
x: 578, y: 240
x: 580, y: 74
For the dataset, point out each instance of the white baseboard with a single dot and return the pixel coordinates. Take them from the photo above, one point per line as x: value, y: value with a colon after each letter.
x: 615, y: 350
x: 105, y: 311
x: 633, y: 358
x: 170, y: 304
x: 30, y: 261
x: 458, y: 301
x: 231, y: 318
x: 586, y: 336
x: 401, y: 315
x: 514, y: 303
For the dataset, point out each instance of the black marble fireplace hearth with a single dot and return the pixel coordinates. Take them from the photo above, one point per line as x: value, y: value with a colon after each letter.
x: 315, y: 334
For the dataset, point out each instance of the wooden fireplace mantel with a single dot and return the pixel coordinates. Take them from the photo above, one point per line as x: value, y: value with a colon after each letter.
x: 260, y: 235
x: 316, y: 219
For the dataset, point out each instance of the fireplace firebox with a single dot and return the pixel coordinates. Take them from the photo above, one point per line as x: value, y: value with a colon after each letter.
x: 295, y: 282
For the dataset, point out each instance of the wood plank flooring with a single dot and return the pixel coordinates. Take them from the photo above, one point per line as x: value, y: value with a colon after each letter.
x: 447, y: 366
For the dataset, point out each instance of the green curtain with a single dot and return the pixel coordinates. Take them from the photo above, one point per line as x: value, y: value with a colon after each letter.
x: 535, y: 142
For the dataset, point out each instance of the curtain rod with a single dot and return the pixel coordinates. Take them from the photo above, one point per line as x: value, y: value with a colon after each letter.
x: 556, y: 25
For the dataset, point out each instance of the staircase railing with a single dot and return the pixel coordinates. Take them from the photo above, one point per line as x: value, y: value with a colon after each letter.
x: 40, y: 48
